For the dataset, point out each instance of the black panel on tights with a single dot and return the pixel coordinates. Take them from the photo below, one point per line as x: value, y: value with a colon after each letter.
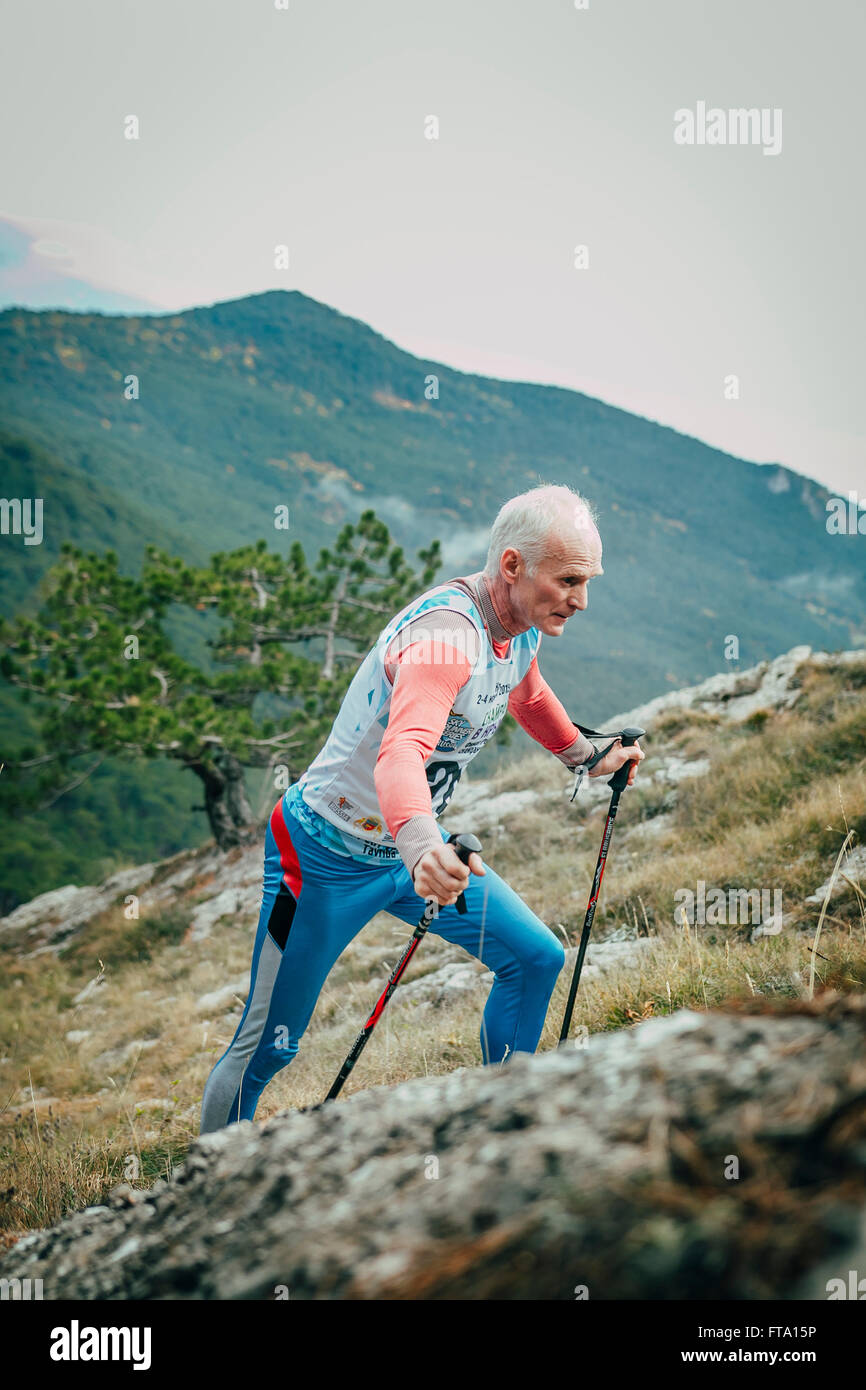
x: 282, y: 913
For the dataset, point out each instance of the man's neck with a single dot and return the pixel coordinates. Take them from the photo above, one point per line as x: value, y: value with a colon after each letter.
x: 501, y: 622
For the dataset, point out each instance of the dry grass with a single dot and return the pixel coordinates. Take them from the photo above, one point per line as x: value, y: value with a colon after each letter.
x: 782, y: 795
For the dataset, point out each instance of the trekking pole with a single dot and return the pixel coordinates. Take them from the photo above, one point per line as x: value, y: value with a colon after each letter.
x: 618, y: 781
x: 464, y: 845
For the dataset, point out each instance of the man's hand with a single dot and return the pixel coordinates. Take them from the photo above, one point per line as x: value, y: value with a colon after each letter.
x: 616, y: 757
x: 441, y: 874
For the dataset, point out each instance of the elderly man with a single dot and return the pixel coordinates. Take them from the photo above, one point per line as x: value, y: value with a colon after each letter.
x: 359, y: 832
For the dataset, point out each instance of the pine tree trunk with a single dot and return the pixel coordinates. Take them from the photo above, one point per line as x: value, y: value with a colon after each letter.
x: 225, y: 799
x: 235, y: 795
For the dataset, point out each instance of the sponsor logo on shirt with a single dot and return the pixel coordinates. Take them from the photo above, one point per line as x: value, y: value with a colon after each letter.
x: 342, y: 807
x: 370, y: 824
x: 454, y: 733
x: 381, y: 851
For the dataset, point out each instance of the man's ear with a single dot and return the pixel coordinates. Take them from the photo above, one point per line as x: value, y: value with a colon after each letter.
x: 509, y: 565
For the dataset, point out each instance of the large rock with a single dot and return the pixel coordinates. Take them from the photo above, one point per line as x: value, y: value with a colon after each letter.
x: 206, y: 883
x: 47, y: 922
x: 700, y: 1156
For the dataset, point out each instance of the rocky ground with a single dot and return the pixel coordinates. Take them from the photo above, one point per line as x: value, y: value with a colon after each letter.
x: 699, y: 1156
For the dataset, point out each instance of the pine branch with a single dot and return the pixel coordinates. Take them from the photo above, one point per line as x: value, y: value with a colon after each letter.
x: 380, y: 608
x: 70, y: 786
x: 47, y: 758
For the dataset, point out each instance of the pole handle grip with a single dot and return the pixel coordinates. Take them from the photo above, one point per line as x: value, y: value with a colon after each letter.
x: 629, y: 737
x: 465, y: 844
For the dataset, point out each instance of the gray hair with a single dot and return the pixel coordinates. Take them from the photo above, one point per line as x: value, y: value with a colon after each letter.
x: 526, y: 522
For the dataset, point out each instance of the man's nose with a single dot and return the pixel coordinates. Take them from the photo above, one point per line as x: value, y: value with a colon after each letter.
x: 577, y: 600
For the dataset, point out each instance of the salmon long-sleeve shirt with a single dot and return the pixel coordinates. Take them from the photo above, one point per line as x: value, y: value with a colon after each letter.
x: 427, y: 675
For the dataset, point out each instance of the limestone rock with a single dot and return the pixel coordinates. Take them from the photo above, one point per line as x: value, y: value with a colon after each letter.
x: 698, y: 1156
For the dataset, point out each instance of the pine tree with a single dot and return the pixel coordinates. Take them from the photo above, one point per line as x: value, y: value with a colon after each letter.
x: 107, y: 661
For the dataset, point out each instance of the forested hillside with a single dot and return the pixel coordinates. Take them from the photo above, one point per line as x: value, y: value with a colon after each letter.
x: 277, y: 400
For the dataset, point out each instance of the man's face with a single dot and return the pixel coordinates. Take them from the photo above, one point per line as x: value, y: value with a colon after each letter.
x: 558, y: 589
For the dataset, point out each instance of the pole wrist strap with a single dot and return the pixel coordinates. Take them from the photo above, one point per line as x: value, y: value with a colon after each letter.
x: 584, y: 768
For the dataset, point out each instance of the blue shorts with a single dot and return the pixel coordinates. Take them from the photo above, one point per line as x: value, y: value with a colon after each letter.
x: 314, y: 902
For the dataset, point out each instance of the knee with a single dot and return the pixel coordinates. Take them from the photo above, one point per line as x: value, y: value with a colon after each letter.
x: 548, y: 956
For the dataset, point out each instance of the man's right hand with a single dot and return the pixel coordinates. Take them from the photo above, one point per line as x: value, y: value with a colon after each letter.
x: 613, y: 761
x: 441, y: 874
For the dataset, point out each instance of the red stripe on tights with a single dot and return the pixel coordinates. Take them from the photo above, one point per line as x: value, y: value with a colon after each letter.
x: 288, y: 854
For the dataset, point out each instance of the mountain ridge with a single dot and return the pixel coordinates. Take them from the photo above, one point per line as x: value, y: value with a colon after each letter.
x: 212, y: 471
x: 277, y: 398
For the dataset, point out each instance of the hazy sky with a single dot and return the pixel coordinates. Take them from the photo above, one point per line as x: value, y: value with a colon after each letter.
x: 306, y: 126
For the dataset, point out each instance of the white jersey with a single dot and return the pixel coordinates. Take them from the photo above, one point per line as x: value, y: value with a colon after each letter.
x: 339, y: 787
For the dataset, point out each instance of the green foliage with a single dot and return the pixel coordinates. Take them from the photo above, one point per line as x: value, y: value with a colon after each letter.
x: 105, y: 679
x: 123, y: 814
